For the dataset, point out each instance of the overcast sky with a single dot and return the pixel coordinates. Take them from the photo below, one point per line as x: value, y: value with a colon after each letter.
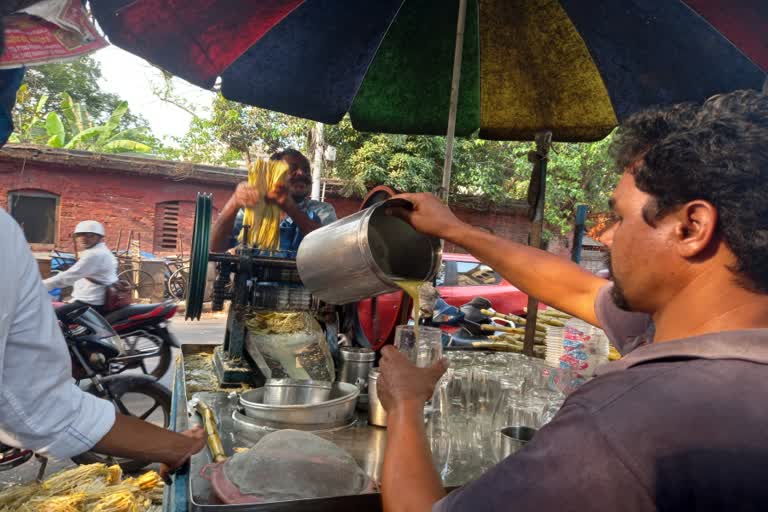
x: 131, y: 78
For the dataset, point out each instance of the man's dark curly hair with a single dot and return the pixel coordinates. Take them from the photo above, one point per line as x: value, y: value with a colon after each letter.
x: 717, y: 152
x: 304, y: 161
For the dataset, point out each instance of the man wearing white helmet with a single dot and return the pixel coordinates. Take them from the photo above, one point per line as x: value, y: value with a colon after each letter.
x: 95, y: 269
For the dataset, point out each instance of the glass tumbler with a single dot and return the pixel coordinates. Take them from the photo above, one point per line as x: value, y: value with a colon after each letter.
x: 424, y: 351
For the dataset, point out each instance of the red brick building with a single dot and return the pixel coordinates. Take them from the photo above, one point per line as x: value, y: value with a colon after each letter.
x: 49, y: 190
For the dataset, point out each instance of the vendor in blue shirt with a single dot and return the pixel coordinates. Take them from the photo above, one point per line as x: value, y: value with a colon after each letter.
x: 303, y: 215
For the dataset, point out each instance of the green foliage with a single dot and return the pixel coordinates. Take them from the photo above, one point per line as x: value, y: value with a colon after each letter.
x: 55, y: 129
x: 74, y: 130
x: 201, y: 145
x: 233, y: 132
x: 241, y: 127
x: 578, y: 174
x: 496, y: 171
x: 28, y: 121
x: 80, y: 80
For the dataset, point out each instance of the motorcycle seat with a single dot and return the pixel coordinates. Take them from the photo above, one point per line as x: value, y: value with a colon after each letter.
x: 132, y: 310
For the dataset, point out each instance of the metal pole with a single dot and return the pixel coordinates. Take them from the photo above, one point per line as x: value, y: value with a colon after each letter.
x: 578, y: 232
x: 318, y: 138
x: 455, y: 79
x: 536, y: 195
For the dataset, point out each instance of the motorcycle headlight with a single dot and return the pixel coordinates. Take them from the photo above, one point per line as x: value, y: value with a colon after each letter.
x: 116, y: 341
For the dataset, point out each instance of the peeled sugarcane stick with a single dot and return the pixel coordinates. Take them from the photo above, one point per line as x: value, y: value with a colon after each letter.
x: 552, y: 313
x: 521, y: 336
x: 538, y: 337
x: 515, y: 339
x: 550, y: 321
x: 501, y: 328
x: 502, y: 347
x: 511, y: 318
x: 209, y: 425
x: 509, y: 330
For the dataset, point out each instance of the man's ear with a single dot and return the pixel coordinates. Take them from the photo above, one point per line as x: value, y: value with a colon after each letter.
x: 695, y: 230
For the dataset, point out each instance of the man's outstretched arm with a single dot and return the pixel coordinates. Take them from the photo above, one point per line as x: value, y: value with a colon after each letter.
x: 553, y: 280
x: 409, y: 481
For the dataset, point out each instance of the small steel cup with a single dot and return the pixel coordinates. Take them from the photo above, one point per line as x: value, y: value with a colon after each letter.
x: 514, y: 438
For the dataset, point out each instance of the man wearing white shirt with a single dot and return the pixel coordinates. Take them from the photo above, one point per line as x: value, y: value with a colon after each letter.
x: 41, y: 408
x: 95, y: 269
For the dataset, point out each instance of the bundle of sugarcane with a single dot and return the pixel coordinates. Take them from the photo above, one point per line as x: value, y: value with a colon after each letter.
x: 90, y: 488
x: 555, y: 317
x: 264, y: 218
x: 504, y: 344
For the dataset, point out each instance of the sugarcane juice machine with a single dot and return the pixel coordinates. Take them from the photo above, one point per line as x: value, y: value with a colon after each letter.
x: 251, y: 282
x: 354, y: 258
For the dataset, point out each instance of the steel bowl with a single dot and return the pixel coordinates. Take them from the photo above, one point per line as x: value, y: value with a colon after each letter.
x: 338, y: 410
x: 296, y: 392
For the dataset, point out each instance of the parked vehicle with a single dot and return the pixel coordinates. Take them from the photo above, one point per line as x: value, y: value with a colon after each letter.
x: 147, y: 342
x: 462, y: 325
x: 461, y: 278
x: 12, y: 457
x: 94, y: 347
x: 147, y: 339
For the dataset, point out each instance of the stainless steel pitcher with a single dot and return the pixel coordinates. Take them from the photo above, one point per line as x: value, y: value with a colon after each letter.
x: 362, y: 255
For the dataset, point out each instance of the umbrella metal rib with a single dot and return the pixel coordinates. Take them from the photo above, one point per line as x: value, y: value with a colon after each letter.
x: 454, y: 102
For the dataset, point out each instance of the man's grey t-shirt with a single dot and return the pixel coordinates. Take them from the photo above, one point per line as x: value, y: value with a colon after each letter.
x: 672, y: 426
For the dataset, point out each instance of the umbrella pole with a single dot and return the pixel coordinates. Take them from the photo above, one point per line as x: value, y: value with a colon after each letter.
x: 453, y: 106
x: 536, y: 195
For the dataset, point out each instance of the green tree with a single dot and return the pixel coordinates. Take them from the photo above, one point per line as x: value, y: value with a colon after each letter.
x: 486, y: 171
x: 233, y: 132
x: 29, y: 122
x: 493, y: 171
x: 242, y: 127
x: 73, y: 129
x: 201, y: 145
x: 80, y: 79
x: 578, y: 174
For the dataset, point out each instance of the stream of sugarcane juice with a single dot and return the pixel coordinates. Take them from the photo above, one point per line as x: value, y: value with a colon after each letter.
x: 411, y: 287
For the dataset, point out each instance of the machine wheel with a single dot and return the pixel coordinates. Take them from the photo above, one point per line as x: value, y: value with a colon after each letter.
x: 142, y: 341
x: 138, y: 396
x: 142, y: 283
x: 177, y: 284
x: 198, y: 263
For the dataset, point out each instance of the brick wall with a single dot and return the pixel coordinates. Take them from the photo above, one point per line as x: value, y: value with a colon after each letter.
x: 344, y: 205
x: 512, y: 225
x: 120, y: 201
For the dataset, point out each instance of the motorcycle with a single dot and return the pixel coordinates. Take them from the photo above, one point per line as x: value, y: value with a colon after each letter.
x: 12, y: 457
x: 463, y: 327
x: 147, y: 341
x: 93, y: 347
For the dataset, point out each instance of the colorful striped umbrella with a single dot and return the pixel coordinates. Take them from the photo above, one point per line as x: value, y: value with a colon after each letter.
x: 574, y: 67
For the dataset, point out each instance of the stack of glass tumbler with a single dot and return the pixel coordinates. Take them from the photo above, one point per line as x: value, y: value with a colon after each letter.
x: 479, y: 395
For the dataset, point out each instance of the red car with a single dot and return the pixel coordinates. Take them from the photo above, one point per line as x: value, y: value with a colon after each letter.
x: 461, y: 278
